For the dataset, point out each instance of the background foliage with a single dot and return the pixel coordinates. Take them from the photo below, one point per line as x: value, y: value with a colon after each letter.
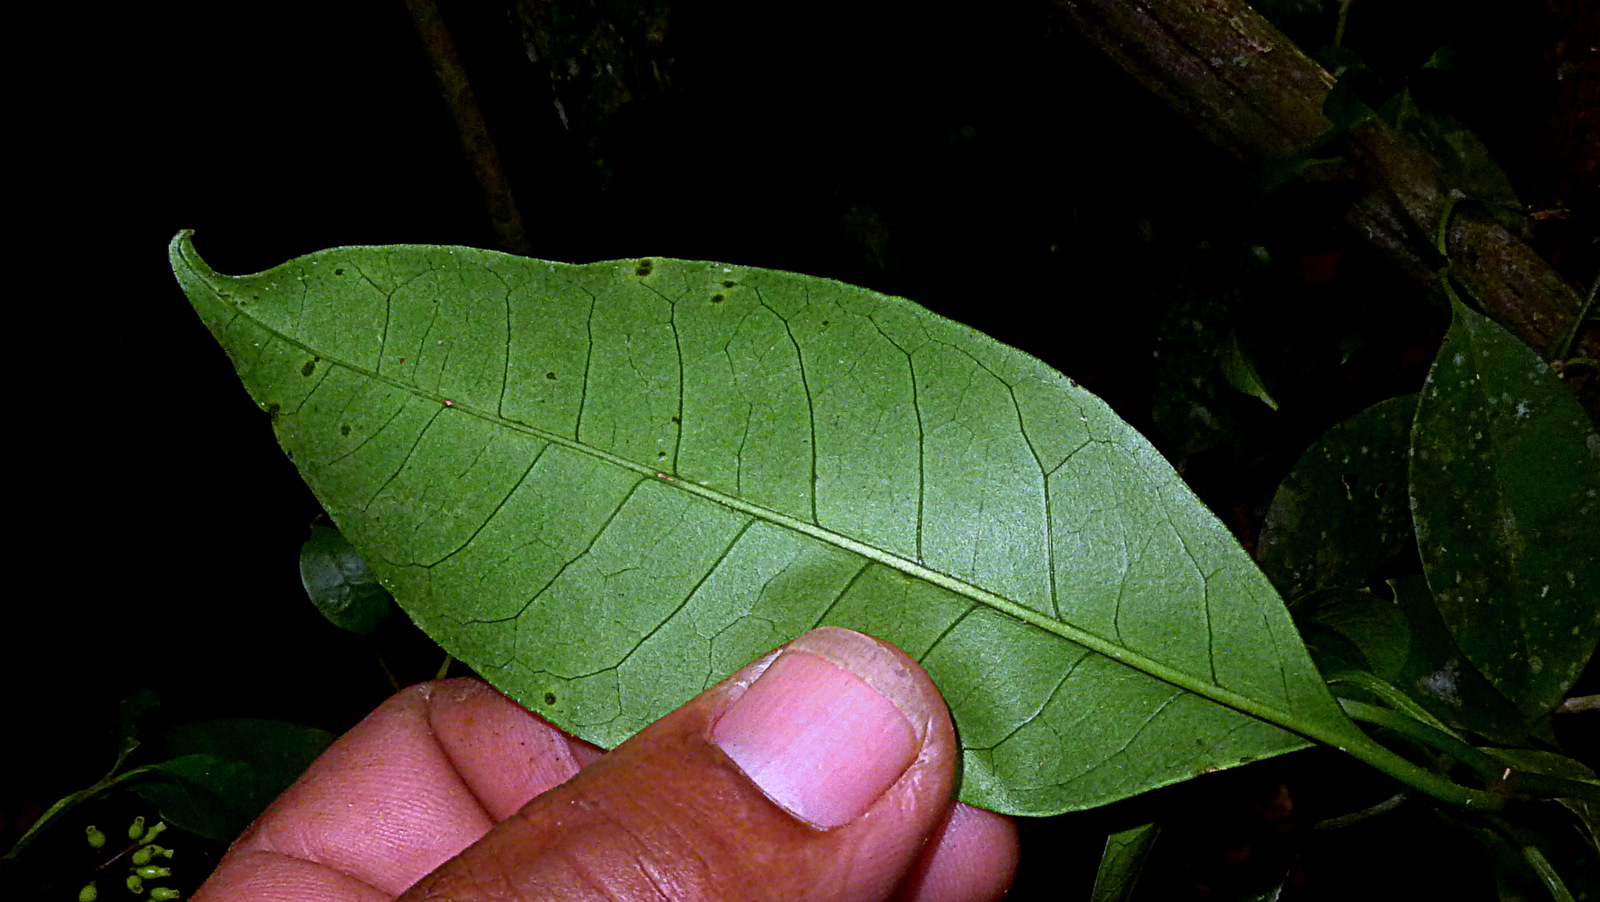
x: 914, y: 153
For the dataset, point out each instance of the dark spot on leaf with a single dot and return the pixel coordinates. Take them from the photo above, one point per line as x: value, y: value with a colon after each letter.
x: 550, y: 375
x: 338, y: 272
x: 549, y: 698
x: 309, y: 368
x: 643, y: 267
x: 661, y: 455
x: 345, y: 429
x: 716, y: 299
x: 678, y: 420
x: 824, y: 322
x: 272, y: 410
x: 728, y: 283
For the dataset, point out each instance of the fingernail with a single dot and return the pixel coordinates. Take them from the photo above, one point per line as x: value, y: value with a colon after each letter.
x: 829, y: 725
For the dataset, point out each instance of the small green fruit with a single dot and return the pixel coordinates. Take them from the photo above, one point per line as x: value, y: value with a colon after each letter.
x: 152, y: 872
x: 89, y: 893
x: 97, y: 840
x: 136, y: 829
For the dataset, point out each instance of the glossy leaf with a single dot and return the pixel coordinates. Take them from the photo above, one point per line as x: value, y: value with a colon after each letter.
x: 605, y: 487
x: 1122, y: 862
x: 1438, y: 675
x: 1373, y: 624
x: 1505, y: 490
x: 339, y: 582
x: 223, y: 773
x: 1342, y: 512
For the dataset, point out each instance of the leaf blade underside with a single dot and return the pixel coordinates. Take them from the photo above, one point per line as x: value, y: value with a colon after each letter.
x: 605, y: 487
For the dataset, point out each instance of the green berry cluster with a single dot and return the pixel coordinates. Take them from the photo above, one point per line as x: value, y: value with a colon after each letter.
x: 142, y: 852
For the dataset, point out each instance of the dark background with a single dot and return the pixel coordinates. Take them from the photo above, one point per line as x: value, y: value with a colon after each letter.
x: 985, y: 164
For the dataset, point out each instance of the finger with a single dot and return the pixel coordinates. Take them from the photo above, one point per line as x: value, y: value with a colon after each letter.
x: 504, y: 754
x: 971, y: 857
x: 413, y: 784
x: 384, y: 805
x: 254, y: 875
x: 815, y: 773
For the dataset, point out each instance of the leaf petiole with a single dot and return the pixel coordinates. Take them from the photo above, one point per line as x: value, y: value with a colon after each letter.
x: 1420, y: 777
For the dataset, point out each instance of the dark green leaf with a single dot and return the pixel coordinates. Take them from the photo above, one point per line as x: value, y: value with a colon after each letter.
x: 1443, y: 59
x: 1241, y: 373
x: 1122, y: 862
x: 1539, y: 856
x: 276, y: 752
x: 340, y: 583
x: 1342, y: 512
x: 1332, y: 650
x: 1343, y: 106
x: 1400, y: 110
x: 1194, y: 408
x: 1373, y: 624
x: 1438, y: 675
x: 1465, y: 164
x: 1505, y: 490
x: 1585, y: 811
x: 179, y: 790
x: 1514, y: 880
x: 130, y: 711
x: 223, y: 773
x: 606, y: 487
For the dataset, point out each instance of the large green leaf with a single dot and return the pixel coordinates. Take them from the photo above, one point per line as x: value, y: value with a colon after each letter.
x: 607, y: 486
x: 1505, y: 493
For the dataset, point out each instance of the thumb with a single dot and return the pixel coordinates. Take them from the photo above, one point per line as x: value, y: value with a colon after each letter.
x: 817, y: 772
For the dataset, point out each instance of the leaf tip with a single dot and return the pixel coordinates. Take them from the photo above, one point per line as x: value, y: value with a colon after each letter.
x: 183, y: 257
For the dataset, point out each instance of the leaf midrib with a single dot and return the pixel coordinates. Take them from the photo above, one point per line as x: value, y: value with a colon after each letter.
x: 1059, y: 628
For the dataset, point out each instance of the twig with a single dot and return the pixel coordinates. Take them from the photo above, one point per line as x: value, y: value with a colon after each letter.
x: 1367, y: 813
x: 473, y: 132
x: 1247, y: 88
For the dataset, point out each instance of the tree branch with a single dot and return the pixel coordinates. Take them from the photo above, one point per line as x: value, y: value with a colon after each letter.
x: 473, y: 132
x: 1240, y: 82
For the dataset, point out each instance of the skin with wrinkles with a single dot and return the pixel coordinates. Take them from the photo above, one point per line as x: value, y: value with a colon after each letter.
x: 599, y: 838
x: 429, y: 798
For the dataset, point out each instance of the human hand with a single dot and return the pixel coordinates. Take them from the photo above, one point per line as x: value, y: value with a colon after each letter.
x: 824, y: 770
